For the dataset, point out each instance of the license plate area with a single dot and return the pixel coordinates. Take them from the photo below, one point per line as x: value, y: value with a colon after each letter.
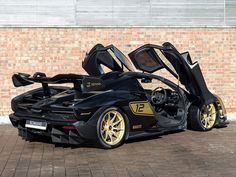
x: 39, y: 125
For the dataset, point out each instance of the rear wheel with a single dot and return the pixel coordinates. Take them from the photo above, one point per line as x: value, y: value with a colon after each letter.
x: 202, y: 119
x: 112, y: 127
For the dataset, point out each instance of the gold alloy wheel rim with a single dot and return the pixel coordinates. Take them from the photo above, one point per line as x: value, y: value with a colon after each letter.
x: 208, y: 116
x: 112, y: 127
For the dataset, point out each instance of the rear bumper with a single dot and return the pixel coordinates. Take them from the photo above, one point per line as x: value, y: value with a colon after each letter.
x: 54, y: 130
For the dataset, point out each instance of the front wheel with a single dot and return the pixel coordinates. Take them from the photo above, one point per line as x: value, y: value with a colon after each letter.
x: 204, y: 118
x: 111, y: 128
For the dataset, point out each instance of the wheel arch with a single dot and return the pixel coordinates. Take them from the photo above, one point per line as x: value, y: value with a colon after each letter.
x: 194, y: 112
x: 88, y: 129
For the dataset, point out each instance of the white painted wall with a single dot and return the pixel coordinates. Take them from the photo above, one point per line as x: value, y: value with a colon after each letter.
x: 117, y: 12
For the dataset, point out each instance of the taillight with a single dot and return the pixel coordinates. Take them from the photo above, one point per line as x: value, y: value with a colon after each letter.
x: 68, y: 127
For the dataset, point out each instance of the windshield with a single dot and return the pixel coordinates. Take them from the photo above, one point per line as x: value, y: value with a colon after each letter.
x: 118, y: 55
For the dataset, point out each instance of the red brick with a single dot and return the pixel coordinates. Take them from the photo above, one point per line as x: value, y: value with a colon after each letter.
x: 61, y: 50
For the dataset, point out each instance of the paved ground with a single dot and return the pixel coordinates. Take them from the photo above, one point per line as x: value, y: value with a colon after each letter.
x: 186, y: 153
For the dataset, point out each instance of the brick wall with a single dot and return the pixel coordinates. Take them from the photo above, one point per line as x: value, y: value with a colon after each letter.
x: 61, y: 50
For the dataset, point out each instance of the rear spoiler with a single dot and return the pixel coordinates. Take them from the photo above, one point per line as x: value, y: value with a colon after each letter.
x: 82, y: 83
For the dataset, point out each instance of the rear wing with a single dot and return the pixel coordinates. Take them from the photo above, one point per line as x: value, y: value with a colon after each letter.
x: 82, y: 83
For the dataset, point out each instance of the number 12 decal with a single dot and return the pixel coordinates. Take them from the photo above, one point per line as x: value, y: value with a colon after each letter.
x: 141, y: 108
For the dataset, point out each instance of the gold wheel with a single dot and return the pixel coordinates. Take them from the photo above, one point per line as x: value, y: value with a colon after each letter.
x: 208, y: 116
x: 112, y: 127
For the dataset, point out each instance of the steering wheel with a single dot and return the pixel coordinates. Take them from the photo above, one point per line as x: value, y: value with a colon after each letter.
x: 159, y: 96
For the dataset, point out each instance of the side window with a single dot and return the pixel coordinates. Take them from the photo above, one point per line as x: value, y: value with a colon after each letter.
x: 117, y: 60
x: 114, y: 57
x: 144, y: 60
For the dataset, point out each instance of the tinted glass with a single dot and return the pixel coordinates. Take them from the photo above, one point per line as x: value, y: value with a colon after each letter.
x: 146, y: 61
x: 124, y: 60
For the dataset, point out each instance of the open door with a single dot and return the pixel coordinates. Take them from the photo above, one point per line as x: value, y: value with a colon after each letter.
x: 109, y: 56
x: 150, y: 58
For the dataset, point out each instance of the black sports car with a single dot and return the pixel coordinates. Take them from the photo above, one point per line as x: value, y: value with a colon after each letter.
x: 109, y: 105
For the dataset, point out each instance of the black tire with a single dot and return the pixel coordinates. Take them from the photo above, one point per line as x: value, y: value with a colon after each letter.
x: 101, y: 143
x: 194, y: 119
